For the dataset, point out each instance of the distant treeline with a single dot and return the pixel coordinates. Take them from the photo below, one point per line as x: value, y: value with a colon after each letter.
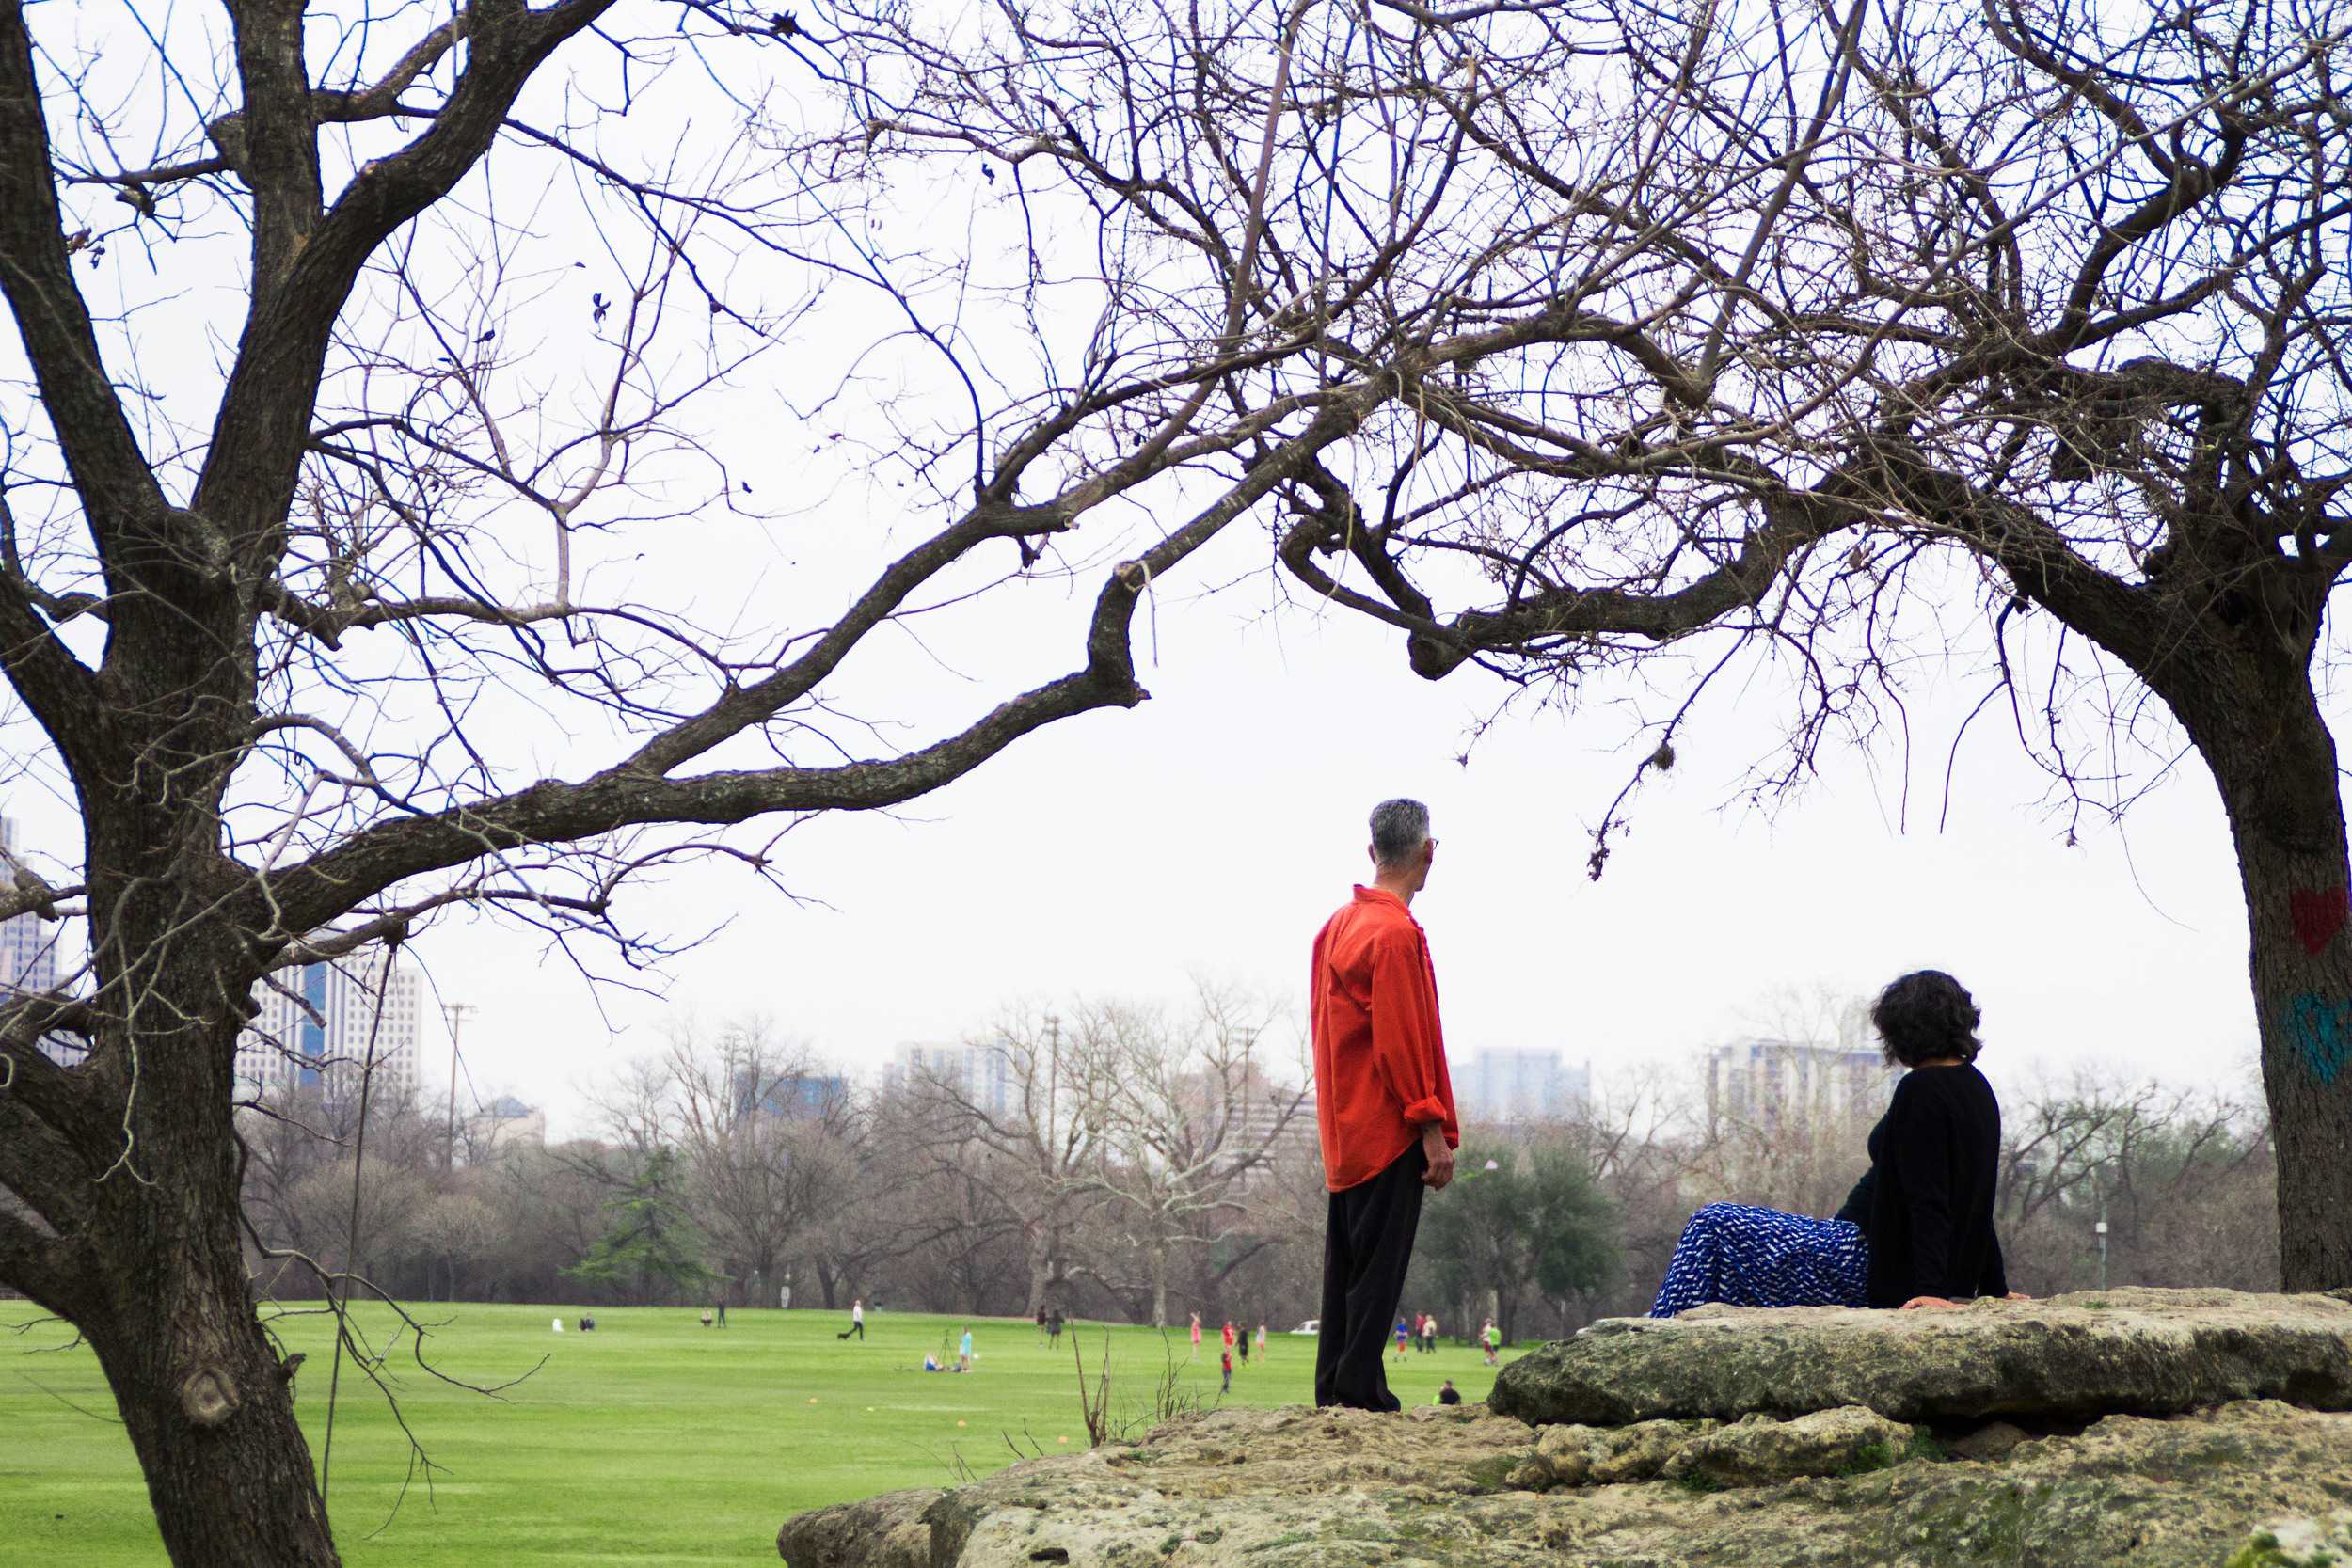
x: 1136, y: 1165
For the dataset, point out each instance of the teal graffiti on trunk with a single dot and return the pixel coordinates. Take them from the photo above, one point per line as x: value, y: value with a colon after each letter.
x: 2322, y: 1031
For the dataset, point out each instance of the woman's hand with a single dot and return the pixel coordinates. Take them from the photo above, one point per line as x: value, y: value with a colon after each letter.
x: 1917, y: 1302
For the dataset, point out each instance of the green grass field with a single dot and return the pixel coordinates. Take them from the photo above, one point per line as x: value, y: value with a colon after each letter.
x: 651, y: 1441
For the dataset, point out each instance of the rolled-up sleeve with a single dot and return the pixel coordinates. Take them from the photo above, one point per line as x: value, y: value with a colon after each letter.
x: 1404, y: 1042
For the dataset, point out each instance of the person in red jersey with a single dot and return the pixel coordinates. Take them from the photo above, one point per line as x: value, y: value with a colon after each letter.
x: 1384, y: 1103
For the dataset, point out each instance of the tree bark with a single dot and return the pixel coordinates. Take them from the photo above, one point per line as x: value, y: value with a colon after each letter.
x: 2275, y: 761
x: 208, y: 1410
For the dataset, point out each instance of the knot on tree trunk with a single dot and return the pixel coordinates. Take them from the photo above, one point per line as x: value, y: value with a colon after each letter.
x: 208, y: 1396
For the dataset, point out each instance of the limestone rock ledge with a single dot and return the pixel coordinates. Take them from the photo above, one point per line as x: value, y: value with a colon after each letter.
x: 2138, y: 1351
x: 1472, y: 1488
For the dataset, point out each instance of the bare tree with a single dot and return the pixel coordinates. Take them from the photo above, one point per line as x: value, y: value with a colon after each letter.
x: 1723, y: 337
x: 2166, y: 1169
x: 1023, y: 1112
x: 762, y: 1128
x: 1194, y: 1121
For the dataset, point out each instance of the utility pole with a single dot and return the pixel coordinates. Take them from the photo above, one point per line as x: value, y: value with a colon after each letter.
x: 455, y: 1013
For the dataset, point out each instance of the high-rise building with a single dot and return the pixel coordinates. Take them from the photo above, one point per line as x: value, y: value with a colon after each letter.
x: 28, y: 955
x: 1509, y: 1085
x: 796, y: 1096
x: 981, y: 1071
x: 1763, y: 1082
x: 319, y: 1022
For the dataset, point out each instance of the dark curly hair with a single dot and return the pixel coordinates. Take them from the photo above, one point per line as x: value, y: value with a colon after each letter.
x: 1927, y: 1017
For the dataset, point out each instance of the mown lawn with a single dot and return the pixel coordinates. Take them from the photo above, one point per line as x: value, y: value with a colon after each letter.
x: 653, y: 1441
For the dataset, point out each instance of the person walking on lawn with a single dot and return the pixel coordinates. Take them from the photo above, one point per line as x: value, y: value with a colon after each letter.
x: 857, y: 1321
x: 1384, y: 1104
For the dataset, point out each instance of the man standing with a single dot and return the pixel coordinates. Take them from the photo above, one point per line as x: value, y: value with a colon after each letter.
x: 1384, y: 1103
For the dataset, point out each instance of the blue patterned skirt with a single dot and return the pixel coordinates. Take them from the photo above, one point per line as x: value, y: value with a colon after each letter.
x: 1749, y: 1257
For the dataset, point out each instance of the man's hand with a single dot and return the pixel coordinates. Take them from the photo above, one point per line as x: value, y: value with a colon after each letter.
x: 1915, y: 1303
x: 1440, y: 1169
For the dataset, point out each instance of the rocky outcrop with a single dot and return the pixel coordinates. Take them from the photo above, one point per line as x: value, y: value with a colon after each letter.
x: 2140, y: 1351
x: 2162, y: 1429
x: 1301, y: 1489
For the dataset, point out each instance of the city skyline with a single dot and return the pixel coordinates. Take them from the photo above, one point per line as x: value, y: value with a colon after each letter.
x: 318, y: 1026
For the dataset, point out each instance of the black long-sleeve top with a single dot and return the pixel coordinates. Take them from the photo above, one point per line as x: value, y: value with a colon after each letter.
x: 1926, y: 1204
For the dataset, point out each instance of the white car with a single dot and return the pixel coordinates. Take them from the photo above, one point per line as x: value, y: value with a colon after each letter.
x: 1313, y: 1325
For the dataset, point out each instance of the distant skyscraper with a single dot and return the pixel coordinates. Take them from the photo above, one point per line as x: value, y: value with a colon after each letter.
x: 317, y: 1022
x: 1519, y: 1085
x: 28, y: 953
x: 793, y: 1096
x: 28, y: 959
x: 981, y: 1071
x: 1762, y: 1082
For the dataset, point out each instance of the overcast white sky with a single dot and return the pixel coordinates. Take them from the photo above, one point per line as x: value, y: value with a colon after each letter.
x: 1208, y: 832
x: 1211, y: 831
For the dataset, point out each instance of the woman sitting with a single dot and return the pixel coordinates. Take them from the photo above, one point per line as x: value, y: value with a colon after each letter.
x: 1917, y: 1230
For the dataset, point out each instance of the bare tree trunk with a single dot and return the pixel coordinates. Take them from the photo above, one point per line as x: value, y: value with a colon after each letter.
x: 1159, y: 1285
x: 200, y: 1388
x: 1040, y: 1250
x: 2276, y: 763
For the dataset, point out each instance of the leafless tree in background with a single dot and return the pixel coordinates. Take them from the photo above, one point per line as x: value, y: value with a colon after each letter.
x: 1026, y: 1118
x: 2004, y: 339
x: 1196, y: 1119
x: 764, y: 1133
x: 2175, y: 1174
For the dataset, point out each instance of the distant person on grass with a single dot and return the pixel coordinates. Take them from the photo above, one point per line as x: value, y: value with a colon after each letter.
x: 1053, y: 1327
x: 1384, y: 1103
x: 1225, y: 1359
x: 1196, y: 1334
x: 1262, y: 1341
x: 964, y: 1353
x: 1400, y: 1339
x: 1917, y: 1232
x: 857, y: 1321
x: 1491, y: 1338
x: 1449, y: 1394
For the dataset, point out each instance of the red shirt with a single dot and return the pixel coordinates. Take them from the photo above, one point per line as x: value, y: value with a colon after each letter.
x: 1380, y: 1072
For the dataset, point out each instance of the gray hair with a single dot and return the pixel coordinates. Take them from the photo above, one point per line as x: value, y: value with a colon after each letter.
x: 1399, y: 829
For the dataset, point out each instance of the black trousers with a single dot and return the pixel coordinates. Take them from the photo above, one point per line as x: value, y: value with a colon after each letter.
x: 1367, y: 1246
